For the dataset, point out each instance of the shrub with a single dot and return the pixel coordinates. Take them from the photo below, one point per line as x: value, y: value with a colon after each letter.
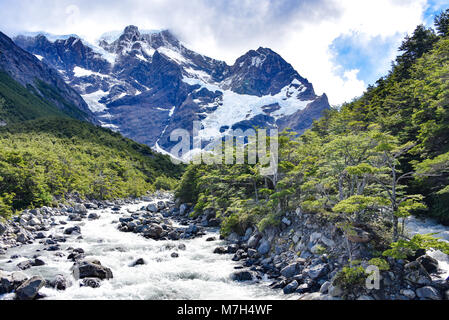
x: 350, y: 279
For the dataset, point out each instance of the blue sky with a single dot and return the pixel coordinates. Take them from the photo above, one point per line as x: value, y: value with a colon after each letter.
x: 341, y: 46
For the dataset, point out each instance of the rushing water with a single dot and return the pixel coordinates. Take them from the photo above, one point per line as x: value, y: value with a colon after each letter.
x: 196, y: 274
x: 425, y: 226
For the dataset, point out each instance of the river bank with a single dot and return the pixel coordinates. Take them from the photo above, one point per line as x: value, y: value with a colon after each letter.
x: 150, y: 248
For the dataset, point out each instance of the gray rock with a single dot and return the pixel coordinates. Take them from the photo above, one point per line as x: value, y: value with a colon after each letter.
x: 91, y: 269
x: 416, y: 274
x: 93, y: 216
x: 264, y: 247
x: 325, y: 287
x: 91, y: 282
x: 138, y: 262
x: 291, y: 270
x: 24, y: 265
x: 30, y: 288
x: 291, y: 287
x: 79, y: 208
x: 254, y: 240
x: 152, y: 208
x: 408, y: 293
x: 335, y: 291
x: 59, y: 283
x: 286, y: 221
x: 243, y: 275
x: 318, y: 271
x: 183, y: 209
x: 428, y: 292
x: 154, y: 231
x: 3, y: 228
x: 73, y: 230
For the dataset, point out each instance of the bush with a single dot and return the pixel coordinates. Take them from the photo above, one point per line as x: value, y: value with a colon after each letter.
x: 350, y: 279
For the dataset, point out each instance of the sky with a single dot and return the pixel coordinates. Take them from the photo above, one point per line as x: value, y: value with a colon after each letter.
x: 341, y: 46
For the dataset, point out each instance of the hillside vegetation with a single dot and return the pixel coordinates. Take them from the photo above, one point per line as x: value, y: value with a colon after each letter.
x: 43, y: 159
x: 370, y: 163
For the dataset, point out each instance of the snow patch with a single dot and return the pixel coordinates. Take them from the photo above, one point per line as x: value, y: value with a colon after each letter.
x: 239, y: 107
x: 92, y: 100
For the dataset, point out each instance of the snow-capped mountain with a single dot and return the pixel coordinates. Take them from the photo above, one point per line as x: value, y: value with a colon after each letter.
x: 146, y: 84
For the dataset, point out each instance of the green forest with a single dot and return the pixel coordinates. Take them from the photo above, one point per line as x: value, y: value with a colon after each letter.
x: 372, y: 162
x: 45, y: 160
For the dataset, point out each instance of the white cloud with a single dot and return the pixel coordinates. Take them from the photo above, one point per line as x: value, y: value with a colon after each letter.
x: 300, y: 30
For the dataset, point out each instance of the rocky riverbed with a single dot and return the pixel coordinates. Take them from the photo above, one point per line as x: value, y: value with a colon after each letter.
x: 149, y: 248
x: 84, y: 251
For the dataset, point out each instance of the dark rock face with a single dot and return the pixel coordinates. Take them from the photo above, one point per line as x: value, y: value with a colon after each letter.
x: 91, y: 269
x: 146, y: 85
x: 30, y: 288
x: 28, y: 70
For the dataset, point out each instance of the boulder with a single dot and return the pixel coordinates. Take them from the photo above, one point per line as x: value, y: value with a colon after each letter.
x: 264, y: 247
x: 138, y: 262
x: 291, y: 270
x: 90, y: 282
x: 30, y: 288
x: 79, y: 208
x: 220, y: 250
x: 429, y: 263
x: 408, y: 293
x: 183, y: 209
x: 154, y: 231
x: 335, y: 291
x: 58, y: 283
x: 24, y: 265
x: 254, y: 240
x: 428, y: 292
x: 91, y: 269
x: 73, y: 230
x: 243, y: 275
x: 325, y: 287
x: 318, y: 271
x: 152, y: 208
x: 291, y: 287
x: 93, y: 216
x: 416, y: 274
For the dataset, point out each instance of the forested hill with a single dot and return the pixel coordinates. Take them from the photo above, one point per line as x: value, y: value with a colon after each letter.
x: 47, y: 159
x: 370, y: 163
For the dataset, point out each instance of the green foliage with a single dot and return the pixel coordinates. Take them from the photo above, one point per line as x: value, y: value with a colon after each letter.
x: 442, y: 23
x: 371, y: 162
x: 165, y: 183
x: 17, y: 103
x: 350, y: 278
x: 382, y: 264
x: 40, y: 159
x: 405, y: 248
x: 6, y: 205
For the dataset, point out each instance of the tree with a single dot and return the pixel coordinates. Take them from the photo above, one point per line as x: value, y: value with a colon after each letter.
x: 413, y: 48
x: 442, y: 23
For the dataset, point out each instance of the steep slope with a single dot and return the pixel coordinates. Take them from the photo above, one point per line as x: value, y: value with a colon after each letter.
x: 22, y: 75
x: 146, y: 84
x: 47, y: 159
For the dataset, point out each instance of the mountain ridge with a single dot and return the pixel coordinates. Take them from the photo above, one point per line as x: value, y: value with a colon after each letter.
x: 147, y: 84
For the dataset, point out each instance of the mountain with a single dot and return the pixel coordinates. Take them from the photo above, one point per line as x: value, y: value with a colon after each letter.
x: 146, y: 84
x: 30, y: 89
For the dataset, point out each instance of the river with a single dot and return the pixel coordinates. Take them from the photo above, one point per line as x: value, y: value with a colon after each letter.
x: 196, y: 274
